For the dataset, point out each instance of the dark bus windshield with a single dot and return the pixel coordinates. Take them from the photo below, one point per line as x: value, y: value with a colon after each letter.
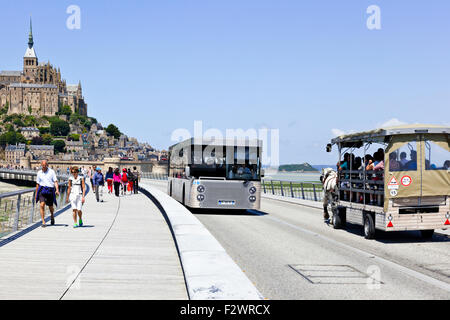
x: 243, y: 163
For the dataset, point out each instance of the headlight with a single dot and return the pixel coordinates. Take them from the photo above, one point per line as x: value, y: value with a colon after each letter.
x: 201, y: 189
x: 252, y: 190
x: 200, y: 197
x: 252, y: 199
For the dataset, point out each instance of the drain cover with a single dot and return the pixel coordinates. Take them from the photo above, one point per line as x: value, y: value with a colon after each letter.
x: 332, y: 274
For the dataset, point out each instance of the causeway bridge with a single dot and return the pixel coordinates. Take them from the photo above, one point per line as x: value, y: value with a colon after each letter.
x: 148, y: 246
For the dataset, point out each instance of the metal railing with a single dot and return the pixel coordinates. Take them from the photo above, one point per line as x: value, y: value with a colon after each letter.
x: 153, y: 176
x: 18, y: 209
x: 299, y: 190
x: 28, y: 172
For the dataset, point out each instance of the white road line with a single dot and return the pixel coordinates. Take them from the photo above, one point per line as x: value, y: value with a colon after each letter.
x: 420, y: 276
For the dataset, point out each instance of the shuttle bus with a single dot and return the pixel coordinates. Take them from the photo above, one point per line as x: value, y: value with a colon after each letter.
x: 216, y: 175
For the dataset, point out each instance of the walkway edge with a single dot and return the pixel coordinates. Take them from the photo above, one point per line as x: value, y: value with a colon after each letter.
x: 209, y: 271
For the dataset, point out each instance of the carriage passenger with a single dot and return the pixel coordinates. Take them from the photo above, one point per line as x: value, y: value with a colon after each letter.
x: 394, y: 165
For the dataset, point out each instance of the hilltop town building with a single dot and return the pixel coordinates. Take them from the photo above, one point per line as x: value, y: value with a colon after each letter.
x: 38, y: 89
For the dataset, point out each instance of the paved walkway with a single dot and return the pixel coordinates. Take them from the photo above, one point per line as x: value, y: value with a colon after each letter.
x: 124, y: 251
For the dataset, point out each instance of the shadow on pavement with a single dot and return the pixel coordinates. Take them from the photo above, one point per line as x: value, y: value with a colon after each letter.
x: 226, y: 212
x: 398, y: 236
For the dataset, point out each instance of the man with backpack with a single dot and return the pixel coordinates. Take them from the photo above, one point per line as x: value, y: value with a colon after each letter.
x: 137, y: 177
x: 131, y: 179
x: 98, y: 183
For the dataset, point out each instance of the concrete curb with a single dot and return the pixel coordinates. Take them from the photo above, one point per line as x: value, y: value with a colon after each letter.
x: 209, y: 271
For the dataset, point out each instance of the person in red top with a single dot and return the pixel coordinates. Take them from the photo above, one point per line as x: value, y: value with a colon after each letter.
x: 124, y: 181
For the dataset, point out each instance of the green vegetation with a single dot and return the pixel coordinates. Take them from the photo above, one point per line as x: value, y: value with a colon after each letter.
x: 74, y: 137
x: 44, y: 130
x: 4, y: 109
x: 305, y: 167
x: 47, y: 139
x: 112, y: 130
x: 59, y: 127
x: 65, y: 110
x: 11, y: 137
x: 52, y: 129
x: 37, y: 141
x: 60, y: 146
x: 308, y: 185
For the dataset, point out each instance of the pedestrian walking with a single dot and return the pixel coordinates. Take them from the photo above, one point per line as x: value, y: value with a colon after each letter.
x: 46, y: 191
x: 137, y: 179
x: 124, y: 181
x: 91, y: 176
x: 76, y: 193
x: 110, y: 179
x: 130, y: 181
x: 117, y: 182
x: 99, y: 183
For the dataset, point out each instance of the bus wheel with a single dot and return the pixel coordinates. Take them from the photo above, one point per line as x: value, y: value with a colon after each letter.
x: 369, y: 227
x: 427, y: 234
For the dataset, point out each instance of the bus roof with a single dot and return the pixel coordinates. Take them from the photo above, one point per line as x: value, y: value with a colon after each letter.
x: 238, y: 142
x: 380, y: 135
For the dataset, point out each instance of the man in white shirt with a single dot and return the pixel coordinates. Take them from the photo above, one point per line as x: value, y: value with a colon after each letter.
x: 46, y: 190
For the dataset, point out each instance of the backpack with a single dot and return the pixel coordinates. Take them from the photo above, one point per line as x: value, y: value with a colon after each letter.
x: 124, y: 177
x: 131, y: 176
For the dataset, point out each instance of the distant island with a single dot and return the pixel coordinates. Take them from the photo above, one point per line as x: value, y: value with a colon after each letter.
x: 304, y: 167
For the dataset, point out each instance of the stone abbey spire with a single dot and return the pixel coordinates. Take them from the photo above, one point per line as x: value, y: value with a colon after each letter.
x: 30, y: 37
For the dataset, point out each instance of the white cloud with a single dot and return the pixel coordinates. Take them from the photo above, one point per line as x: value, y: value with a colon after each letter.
x: 391, y: 123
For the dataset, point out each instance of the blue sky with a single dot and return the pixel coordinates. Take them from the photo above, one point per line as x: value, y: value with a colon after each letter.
x: 308, y: 68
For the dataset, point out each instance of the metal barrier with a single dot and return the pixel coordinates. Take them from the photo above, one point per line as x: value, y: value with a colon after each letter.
x: 19, y: 209
x: 32, y: 173
x: 300, y: 190
x: 154, y: 176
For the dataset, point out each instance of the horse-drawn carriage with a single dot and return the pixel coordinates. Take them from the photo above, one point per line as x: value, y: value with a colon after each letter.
x: 405, y: 186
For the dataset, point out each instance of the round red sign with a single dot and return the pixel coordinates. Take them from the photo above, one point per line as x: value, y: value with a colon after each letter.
x: 406, y: 181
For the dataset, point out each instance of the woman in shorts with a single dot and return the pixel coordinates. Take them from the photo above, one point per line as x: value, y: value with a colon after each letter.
x: 76, y: 195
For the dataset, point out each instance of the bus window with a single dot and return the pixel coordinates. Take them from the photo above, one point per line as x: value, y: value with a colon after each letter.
x: 246, y: 165
x: 436, y: 157
x: 404, y: 158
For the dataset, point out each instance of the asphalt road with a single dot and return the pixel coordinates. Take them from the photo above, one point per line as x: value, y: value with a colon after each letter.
x: 289, y: 253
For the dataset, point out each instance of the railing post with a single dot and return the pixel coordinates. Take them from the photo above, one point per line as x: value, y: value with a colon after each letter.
x: 303, y: 191
x: 315, y: 195
x: 292, y: 191
x: 282, y: 191
x: 264, y: 185
x: 16, y: 218
x: 33, y: 201
x: 271, y: 182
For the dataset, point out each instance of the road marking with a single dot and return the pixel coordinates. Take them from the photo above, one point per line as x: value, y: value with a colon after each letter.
x: 420, y: 276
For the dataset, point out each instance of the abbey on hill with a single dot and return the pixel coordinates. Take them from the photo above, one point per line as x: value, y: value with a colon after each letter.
x: 38, y: 89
